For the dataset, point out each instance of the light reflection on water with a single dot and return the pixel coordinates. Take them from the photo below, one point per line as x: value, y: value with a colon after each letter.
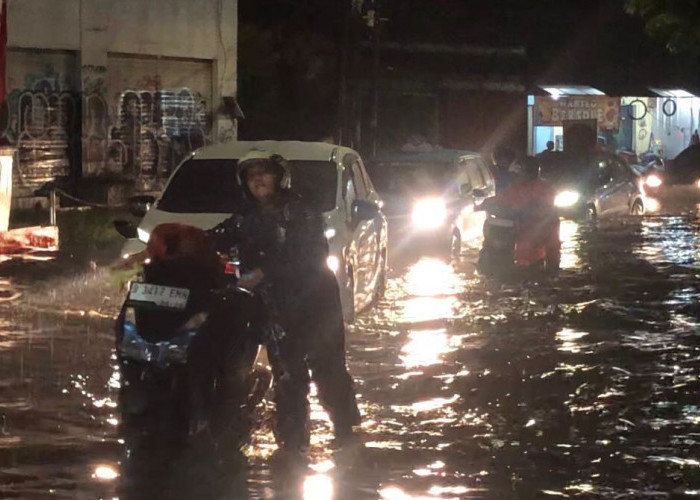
x: 583, y: 387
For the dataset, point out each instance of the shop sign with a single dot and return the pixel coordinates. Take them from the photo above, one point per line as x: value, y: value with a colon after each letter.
x: 604, y: 109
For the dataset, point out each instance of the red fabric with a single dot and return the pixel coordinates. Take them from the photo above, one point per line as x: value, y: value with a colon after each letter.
x: 3, y: 45
x: 538, y: 229
x: 174, y: 241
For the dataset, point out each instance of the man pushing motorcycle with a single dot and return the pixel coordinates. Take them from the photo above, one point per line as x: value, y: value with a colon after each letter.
x: 529, y: 202
x: 283, y: 250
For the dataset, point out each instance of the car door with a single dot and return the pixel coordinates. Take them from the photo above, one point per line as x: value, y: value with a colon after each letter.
x: 490, y: 189
x: 364, y: 239
x: 614, y: 189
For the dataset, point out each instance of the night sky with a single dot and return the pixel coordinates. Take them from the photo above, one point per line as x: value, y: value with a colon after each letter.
x: 567, y: 41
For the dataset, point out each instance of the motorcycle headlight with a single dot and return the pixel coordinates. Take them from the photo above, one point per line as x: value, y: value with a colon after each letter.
x: 566, y: 199
x: 653, y: 181
x: 429, y: 213
x: 142, y: 234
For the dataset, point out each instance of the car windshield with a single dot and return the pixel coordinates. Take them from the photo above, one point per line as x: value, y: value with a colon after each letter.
x: 408, y: 178
x: 210, y: 186
x: 564, y: 171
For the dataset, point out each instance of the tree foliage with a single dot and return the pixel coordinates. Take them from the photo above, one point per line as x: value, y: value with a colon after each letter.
x: 676, y: 23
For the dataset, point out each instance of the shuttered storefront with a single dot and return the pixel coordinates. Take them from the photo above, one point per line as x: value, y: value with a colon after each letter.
x: 42, y: 115
x: 161, y: 110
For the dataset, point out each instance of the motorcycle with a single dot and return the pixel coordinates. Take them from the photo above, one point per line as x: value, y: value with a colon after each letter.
x: 184, y: 341
x: 509, y: 250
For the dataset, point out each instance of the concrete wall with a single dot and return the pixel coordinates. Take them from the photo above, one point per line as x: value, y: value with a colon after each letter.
x: 176, y: 28
x: 145, y: 77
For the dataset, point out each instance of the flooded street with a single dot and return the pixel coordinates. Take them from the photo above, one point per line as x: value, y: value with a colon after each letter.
x: 583, y: 387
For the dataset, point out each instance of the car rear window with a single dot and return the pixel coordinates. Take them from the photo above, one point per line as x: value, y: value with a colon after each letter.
x: 406, y: 178
x: 210, y: 186
x: 203, y: 186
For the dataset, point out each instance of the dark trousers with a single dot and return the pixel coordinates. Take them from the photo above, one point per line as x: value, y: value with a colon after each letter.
x: 312, y: 343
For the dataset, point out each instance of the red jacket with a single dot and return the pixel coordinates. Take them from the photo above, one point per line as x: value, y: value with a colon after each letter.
x: 538, y: 225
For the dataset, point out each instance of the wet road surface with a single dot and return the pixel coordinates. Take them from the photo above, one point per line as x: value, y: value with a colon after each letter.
x: 582, y: 387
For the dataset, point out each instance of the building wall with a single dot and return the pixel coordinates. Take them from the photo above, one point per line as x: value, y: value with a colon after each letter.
x: 97, y: 87
x: 664, y: 125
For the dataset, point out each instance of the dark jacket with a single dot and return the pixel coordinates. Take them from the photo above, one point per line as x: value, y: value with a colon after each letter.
x: 287, y: 243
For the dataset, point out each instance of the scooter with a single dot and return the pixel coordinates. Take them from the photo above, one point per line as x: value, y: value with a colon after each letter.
x: 185, y: 345
x: 509, y: 252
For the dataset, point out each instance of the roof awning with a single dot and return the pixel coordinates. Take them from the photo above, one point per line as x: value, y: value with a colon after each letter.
x: 672, y: 92
x: 557, y: 91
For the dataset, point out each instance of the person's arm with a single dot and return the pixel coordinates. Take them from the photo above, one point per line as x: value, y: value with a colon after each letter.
x: 227, y: 234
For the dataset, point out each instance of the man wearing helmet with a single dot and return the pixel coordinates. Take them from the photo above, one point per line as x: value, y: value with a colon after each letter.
x: 283, y: 250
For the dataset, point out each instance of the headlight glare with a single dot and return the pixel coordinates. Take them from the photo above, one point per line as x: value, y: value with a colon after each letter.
x: 143, y: 235
x: 429, y: 213
x: 566, y: 199
x: 333, y: 263
x: 653, y: 181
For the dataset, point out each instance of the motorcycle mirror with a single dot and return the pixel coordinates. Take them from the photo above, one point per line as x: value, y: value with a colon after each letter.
x: 140, y: 204
x: 125, y: 228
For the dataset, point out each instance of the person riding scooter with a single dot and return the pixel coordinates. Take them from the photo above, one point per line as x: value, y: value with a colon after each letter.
x: 523, y: 216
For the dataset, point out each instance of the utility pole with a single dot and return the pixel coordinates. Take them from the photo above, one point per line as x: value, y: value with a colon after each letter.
x: 343, y: 83
x: 374, y: 21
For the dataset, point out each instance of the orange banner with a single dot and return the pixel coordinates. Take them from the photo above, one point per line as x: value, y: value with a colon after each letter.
x: 552, y: 112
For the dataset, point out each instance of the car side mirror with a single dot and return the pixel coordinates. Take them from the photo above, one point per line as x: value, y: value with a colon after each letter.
x: 479, y: 193
x: 125, y: 228
x: 465, y: 188
x: 364, y: 210
x: 140, y: 204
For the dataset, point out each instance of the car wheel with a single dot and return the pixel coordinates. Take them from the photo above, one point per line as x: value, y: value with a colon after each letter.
x: 637, y: 208
x: 455, y: 244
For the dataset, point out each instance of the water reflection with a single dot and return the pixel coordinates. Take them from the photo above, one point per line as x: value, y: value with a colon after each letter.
x: 583, y: 387
x: 568, y: 235
x: 430, y: 285
x: 425, y: 348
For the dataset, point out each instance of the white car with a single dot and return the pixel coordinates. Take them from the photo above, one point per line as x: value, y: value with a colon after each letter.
x: 203, y: 191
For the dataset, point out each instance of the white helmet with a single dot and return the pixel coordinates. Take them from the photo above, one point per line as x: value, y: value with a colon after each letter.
x: 256, y: 155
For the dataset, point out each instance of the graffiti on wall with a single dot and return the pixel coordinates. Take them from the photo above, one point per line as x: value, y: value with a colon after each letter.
x: 147, y: 135
x: 154, y: 130
x: 42, y: 120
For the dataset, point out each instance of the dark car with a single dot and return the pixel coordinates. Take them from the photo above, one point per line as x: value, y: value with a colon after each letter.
x: 674, y: 186
x: 594, y: 185
x: 431, y: 196
x: 684, y: 169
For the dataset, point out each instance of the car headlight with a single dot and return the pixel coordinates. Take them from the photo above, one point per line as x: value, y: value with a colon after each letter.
x: 566, y: 199
x: 429, y: 213
x: 653, y: 181
x: 333, y: 263
x: 142, y: 234
x: 329, y: 233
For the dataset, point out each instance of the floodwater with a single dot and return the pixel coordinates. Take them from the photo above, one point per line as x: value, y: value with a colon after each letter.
x: 583, y: 387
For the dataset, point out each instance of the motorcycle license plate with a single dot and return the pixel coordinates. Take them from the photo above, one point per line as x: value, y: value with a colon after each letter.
x: 159, y: 295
